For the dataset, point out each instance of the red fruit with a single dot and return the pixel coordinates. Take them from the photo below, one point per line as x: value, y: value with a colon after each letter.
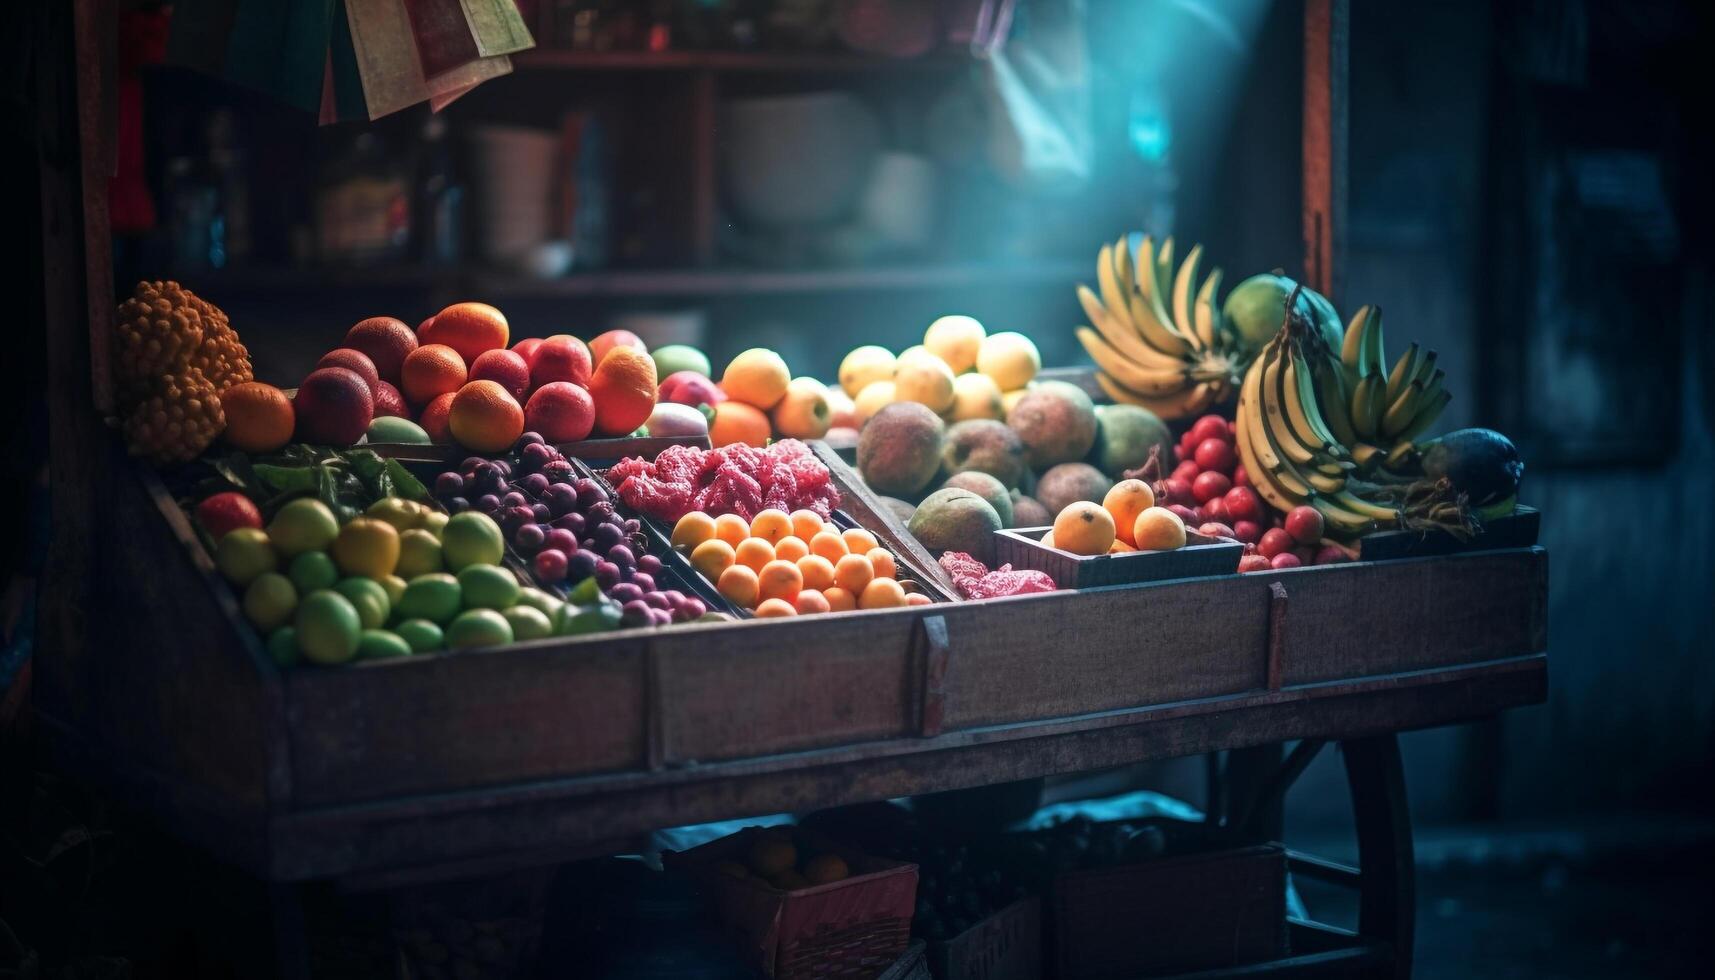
x: 333, y: 406
x: 1190, y: 516
x: 615, y: 338
x: 353, y: 360
x: 1305, y: 524
x: 436, y: 414
x: 1254, y: 563
x: 1285, y: 559
x: 227, y: 511
x: 388, y: 401
x: 690, y: 388
x: 1240, y: 477
x: 505, y: 368
x: 1305, y: 553
x: 1173, y: 491
x: 1330, y: 554
x: 1215, y: 529
x: 1216, y: 454
x: 560, y: 411
x: 1187, y: 471
x: 1274, y: 542
x: 1187, y: 447
x: 1210, y: 485
x: 385, y: 341
x: 1211, y: 427
x: 1243, y: 504
x: 1215, y: 509
x: 561, y: 357
x: 1247, y: 531
x: 526, y: 348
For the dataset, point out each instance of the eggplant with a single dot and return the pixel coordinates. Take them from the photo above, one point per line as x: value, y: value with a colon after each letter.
x: 1482, y: 464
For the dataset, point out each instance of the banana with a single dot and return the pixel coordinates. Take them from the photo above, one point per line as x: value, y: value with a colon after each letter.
x: 1262, y: 478
x: 1158, y: 333
x: 1122, y: 335
x: 1144, y: 270
x: 1122, y: 266
x: 1323, y: 483
x: 1192, y: 400
x: 1274, y: 413
x: 1306, y: 415
x: 1362, y: 507
x: 1403, y: 370
x: 1377, y: 354
x: 1163, y: 271
x: 1153, y: 281
x: 1367, y: 455
x: 1362, y: 415
x: 1112, y: 297
x: 1426, y: 415
x: 1403, y: 410
x: 1342, y: 521
x: 1351, y: 351
x: 1183, y: 288
x: 1150, y: 382
x: 1424, y: 369
x: 1330, y: 385
x: 1208, y: 314
x: 1402, y: 453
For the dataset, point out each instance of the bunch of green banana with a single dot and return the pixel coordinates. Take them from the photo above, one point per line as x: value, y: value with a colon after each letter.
x: 1160, y: 338
x: 1387, y: 410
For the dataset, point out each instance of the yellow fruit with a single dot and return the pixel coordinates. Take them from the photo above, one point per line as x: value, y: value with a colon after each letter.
x: 810, y: 602
x: 304, y: 524
x: 1126, y: 500
x: 712, y: 557
x: 753, y: 553
x: 881, y: 593
x: 1011, y: 359
x: 732, y: 529
x: 791, y: 548
x: 738, y: 585
x: 1158, y: 529
x: 853, y: 573
x: 817, y: 572
x: 772, y: 853
x: 804, y: 413
x: 807, y: 524
x: 756, y: 377
x: 366, y: 546
x: 926, y: 379
x: 693, y: 529
x: 882, y: 561
x: 779, y: 580
x: 1010, y: 398
x: 1047, y: 539
x: 244, y: 553
x: 1084, y: 528
x: 873, y: 398
x: 771, y: 525
x: 976, y: 396
x: 863, y: 366
x: 956, y: 340
x: 770, y: 608
x: 825, y: 868
x: 419, y: 554
x: 397, y: 511
x: 829, y: 545
x: 858, y: 541
x: 1119, y: 547
x: 839, y: 600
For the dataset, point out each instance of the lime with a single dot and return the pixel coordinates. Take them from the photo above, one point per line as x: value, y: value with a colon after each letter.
x: 368, y: 598
x: 391, y: 428
x: 478, y: 628
x: 537, y: 599
x: 471, y: 538
x: 423, y: 635
x: 270, y: 601
x: 434, y: 522
x: 528, y: 623
x: 327, y: 627
x: 419, y: 553
x: 434, y: 597
x: 674, y: 358
x: 394, y: 586
x: 283, y: 646
x: 597, y: 617
x: 397, y: 511
x: 488, y: 587
x: 304, y: 524
x: 313, y: 570
x: 243, y: 554
x: 381, y: 645
x: 367, y: 546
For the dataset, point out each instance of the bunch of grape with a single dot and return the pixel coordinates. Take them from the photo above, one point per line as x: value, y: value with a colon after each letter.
x: 569, y: 529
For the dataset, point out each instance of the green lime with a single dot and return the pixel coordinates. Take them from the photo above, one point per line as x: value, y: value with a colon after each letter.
x: 488, y: 587
x: 397, y: 511
x: 244, y: 553
x: 391, y: 428
x: 327, y: 627
x: 381, y: 645
x: 674, y: 358
x: 434, y: 522
x: 270, y: 601
x: 368, y: 597
x: 419, y: 553
x: 471, y: 538
x: 434, y: 597
x: 394, y: 586
x: 313, y: 570
x: 304, y: 524
x: 283, y: 646
x: 597, y: 617
x: 528, y: 623
x: 422, y: 635
x: 478, y: 628
x: 537, y: 599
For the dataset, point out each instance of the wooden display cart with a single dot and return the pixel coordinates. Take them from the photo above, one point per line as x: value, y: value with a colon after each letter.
x: 150, y: 685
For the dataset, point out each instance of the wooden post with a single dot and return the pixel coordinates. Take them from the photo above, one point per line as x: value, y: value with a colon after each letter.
x: 1327, y: 37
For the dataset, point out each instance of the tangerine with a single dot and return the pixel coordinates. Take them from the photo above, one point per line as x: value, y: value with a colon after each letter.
x: 817, y: 572
x: 259, y: 417
x: 771, y: 525
x: 858, y: 541
x: 754, y: 552
x: 737, y: 422
x: 693, y: 529
x: 853, y: 573
x: 829, y: 545
x: 430, y: 370
x: 791, y: 548
x: 469, y: 328
x: 779, y: 580
x: 882, y: 559
x: 1084, y: 528
x: 807, y: 524
x: 434, y: 417
x: 917, y: 599
x: 839, y: 600
x: 623, y: 387
x: 738, y: 585
x: 712, y: 557
x: 881, y: 593
x: 811, y: 601
x: 485, y: 418
x: 770, y: 608
x: 732, y: 529
x: 1125, y: 500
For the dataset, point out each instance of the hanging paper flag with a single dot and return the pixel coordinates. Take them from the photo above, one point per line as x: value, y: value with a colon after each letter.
x: 498, y: 26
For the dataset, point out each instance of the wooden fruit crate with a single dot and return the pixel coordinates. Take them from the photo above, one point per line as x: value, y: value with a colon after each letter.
x: 1202, y: 556
x: 1005, y: 946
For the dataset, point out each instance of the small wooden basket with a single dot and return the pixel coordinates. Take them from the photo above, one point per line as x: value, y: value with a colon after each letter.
x: 1005, y: 946
x: 1202, y: 556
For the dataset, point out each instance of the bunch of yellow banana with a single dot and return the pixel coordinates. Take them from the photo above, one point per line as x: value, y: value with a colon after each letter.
x: 1386, y: 410
x: 1160, y: 339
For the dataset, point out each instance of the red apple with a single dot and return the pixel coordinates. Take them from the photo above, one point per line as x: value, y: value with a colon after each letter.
x: 507, y: 368
x: 1216, y: 454
x: 615, y: 338
x: 561, y: 357
x: 1305, y: 524
x: 1247, y: 531
x: 1209, y: 485
x: 1211, y: 427
x: 1242, y: 504
x: 690, y: 388
x: 1215, y: 509
x: 1240, y: 477
x: 1274, y: 542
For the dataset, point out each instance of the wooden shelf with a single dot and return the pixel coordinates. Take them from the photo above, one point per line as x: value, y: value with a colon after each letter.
x: 803, y: 62
x: 750, y: 282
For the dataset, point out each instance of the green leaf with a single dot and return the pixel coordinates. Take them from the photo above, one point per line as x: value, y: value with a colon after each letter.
x: 294, y: 479
x: 364, y: 463
x: 405, y: 483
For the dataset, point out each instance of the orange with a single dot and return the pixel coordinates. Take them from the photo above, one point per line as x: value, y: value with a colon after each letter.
x: 485, y: 417
x: 754, y: 552
x: 431, y: 370
x: 839, y: 600
x: 737, y: 422
x: 756, y: 377
x: 600, y: 345
x: 469, y: 328
x: 791, y: 548
x: 917, y: 599
x: 853, y: 573
x: 712, y: 557
x: 829, y: 545
x: 779, y: 580
x: 738, y: 584
x: 1126, y: 500
x: 1119, y: 547
x: 693, y: 529
x: 818, y: 572
x: 771, y: 525
x: 882, y: 559
x: 259, y: 417
x: 1158, y: 529
x: 1048, y: 539
x: 811, y: 601
x: 623, y: 387
x: 771, y: 608
x: 807, y: 524
x: 732, y: 529
x: 881, y: 593
x: 858, y: 541
x: 434, y: 417
x: 1084, y: 528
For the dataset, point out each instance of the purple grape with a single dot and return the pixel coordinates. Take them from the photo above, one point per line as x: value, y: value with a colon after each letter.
x: 643, y: 580
x: 621, y: 555
x: 558, y: 470
x: 533, y: 456
x: 598, y: 512
x: 559, y: 498
x: 674, y: 596
x: 581, y: 565
x: 504, y: 467
x: 562, y: 539
x: 626, y: 572
x: 636, y: 613
x: 625, y: 592
x: 488, y: 503
x: 661, y: 617
x: 514, y: 499
x: 606, y: 574
x: 649, y: 564
x: 589, y: 492
x: 473, y: 464
x: 457, y: 505
x: 535, y: 484
x: 573, y: 522
x: 526, y: 440
x: 550, y: 566
x: 530, y: 538
x: 606, y: 536
x: 632, y: 526
x: 656, y: 600
x: 543, y: 514
x: 691, y: 608
x: 449, y: 485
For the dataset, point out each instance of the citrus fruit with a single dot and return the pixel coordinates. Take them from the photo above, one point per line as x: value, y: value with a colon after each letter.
x: 561, y: 412
x: 827, y: 868
x: 526, y: 349
x: 333, y: 407
x: 810, y: 602
x: 753, y: 553
x: 283, y: 646
x: 1084, y: 528
x: 390, y: 402
x: 674, y: 358
x: 771, y: 853
x: 693, y: 529
x: 882, y: 560
x: 712, y: 557
x: 1119, y: 547
x: 388, y: 429
x: 434, y: 418
x: 430, y: 370
x: 385, y: 341
x: 434, y: 597
x: 243, y: 554
x: 738, y: 584
x: 955, y: 340
x: 487, y: 587
x: 770, y: 608
x: 537, y: 599
x: 485, y: 418
x: 1011, y: 359
x: 917, y: 599
x: 623, y: 387
x: 865, y: 365
x: 804, y: 412
x: 1125, y: 500
x: 561, y: 357
x: 771, y: 525
x: 858, y: 541
x: 737, y: 422
x: 259, y: 417
x: 270, y: 601
x: 853, y: 573
x: 1047, y: 540
x: 327, y: 627
x: 791, y: 548
x: 471, y: 538
x: 357, y: 363
x: 528, y: 623
x: 756, y: 377
x: 435, y: 521
x: 839, y: 600
x: 478, y: 628
x: 829, y: 545
x: 875, y: 396
x: 925, y: 379
x: 369, y: 599
x: 401, y: 513
x: 419, y: 553
x: 732, y: 529
x: 1158, y: 529
x: 807, y: 524
x: 881, y: 593
x: 304, y: 524
x: 603, y: 344
x: 374, y: 644
x: 779, y: 580
x: 976, y: 396
x: 817, y: 572
x: 504, y: 368
x: 366, y: 546
x: 422, y: 635
x: 469, y: 328
x: 313, y: 570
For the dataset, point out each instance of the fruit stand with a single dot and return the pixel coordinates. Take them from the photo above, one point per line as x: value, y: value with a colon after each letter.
x: 154, y: 687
